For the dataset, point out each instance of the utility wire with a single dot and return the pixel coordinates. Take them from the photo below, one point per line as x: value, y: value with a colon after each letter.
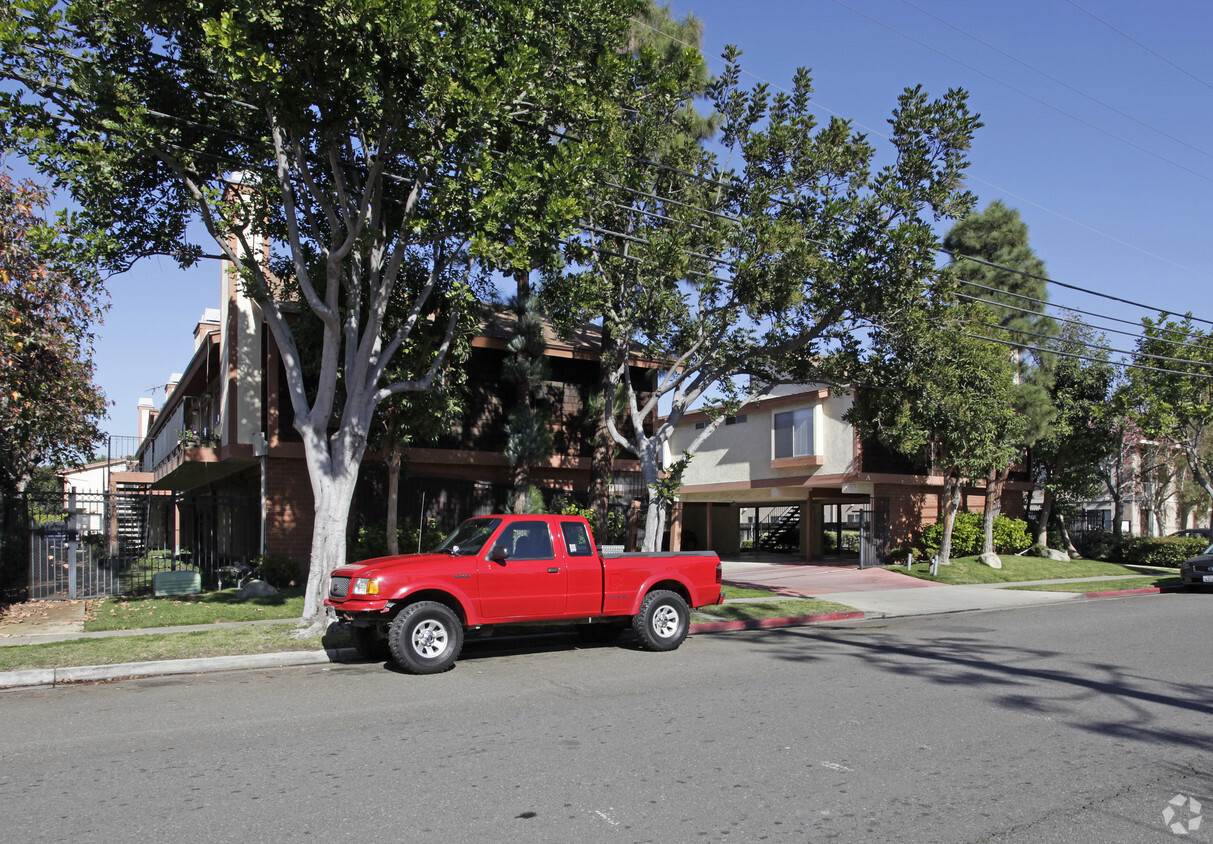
x: 1099, y: 348
x: 1118, y: 364
x: 1032, y: 97
x: 1154, y: 53
x: 1061, y: 82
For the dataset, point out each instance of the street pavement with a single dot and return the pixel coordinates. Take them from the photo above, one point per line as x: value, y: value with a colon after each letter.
x: 873, y: 593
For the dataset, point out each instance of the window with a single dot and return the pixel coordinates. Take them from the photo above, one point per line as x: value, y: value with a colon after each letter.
x: 576, y: 539
x: 794, y: 433
x: 527, y: 541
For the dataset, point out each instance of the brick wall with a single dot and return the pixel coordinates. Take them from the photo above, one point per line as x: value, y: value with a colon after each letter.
x: 289, y: 509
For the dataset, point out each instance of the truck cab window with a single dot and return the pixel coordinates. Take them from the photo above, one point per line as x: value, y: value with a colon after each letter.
x: 576, y: 539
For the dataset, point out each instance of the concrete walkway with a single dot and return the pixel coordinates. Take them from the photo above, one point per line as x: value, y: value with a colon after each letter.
x: 879, y: 593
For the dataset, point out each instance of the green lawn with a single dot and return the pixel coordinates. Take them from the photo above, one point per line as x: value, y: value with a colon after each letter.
x: 227, y: 641
x: 782, y: 608
x: 1014, y: 569
x: 204, y: 608
x: 1105, y: 585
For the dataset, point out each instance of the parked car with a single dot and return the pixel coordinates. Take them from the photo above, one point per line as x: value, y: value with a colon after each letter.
x: 1198, y: 571
x: 1202, y: 533
x: 520, y: 570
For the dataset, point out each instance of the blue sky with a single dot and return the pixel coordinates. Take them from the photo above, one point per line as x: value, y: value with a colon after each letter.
x: 1118, y: 200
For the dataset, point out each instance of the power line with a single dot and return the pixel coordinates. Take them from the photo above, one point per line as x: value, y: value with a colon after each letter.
x: 1061, y: 82
x: 1100, y: 348
x: 1032, y: 97
x: 1119, y: 364
x: 1128, y: 37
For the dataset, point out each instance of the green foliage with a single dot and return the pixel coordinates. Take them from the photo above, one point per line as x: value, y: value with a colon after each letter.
x: 371, y: 541
x: 1159, y: 550
x: 1174, y: 404
x: 1010, y: 535
x: 50, y: 298
x: 278, y: 570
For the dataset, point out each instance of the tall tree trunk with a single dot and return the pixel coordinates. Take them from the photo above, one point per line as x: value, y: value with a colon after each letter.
x: 393, y: 499
x: 951, y: 492
x: 601, y: 463
x: 333, y: 497
x: 1041, y: 537
x: 996, y: 481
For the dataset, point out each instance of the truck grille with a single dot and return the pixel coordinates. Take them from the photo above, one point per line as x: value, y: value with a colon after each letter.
x: 339, y: 587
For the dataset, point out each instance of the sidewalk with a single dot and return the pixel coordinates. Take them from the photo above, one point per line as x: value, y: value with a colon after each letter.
x: 874, y: 593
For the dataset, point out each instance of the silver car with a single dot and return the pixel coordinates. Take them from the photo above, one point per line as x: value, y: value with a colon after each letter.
x: 1198, y: 571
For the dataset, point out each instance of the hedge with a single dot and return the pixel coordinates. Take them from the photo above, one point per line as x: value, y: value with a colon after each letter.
x: 1167, y: 551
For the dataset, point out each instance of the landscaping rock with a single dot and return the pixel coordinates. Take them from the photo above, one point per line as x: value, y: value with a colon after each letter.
x: 991, y: 560
x: 256, y: 589
x: 1053, y: 554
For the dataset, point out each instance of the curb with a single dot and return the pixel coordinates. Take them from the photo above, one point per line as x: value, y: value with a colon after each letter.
x: 160, y: 668
x: 1145, y: 590
x: 762, y: 623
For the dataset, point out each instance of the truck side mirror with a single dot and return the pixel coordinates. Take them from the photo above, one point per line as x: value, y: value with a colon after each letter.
x: 499, y: 554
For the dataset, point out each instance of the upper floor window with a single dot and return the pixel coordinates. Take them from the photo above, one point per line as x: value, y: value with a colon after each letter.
x: 794, y: 433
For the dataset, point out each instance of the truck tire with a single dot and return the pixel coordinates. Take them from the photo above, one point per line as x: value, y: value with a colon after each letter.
x: 371, y: 643
x: 663, y: 620
x: 426, y: 638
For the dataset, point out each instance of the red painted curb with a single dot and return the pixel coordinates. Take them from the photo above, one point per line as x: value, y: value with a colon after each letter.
x: 761, y: 623
x: 1148, y: 590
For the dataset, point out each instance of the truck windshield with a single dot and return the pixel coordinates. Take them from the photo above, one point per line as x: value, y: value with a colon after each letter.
x: 469, y: 537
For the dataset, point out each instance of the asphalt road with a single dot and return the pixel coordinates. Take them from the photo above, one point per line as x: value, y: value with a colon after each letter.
x: 1076, y: 723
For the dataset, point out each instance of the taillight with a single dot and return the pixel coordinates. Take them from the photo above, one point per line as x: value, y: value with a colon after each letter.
x: 719, y: 568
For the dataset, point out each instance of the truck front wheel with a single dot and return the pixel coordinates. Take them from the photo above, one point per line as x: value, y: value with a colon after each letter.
x: 663, y: 620
x: 426, y: 638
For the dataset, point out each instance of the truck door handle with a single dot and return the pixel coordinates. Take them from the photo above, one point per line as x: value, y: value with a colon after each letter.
x: 553, y: 571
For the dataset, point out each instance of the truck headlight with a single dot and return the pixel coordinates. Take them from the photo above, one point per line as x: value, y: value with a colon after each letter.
x: 366, y: 586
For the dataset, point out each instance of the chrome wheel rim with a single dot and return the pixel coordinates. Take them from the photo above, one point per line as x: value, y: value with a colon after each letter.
x: 665, y: 621
x: 430, y: 638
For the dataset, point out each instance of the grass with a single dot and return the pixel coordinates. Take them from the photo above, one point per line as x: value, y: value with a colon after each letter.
x: 1105, y: 585
x: 178, y: 611
x: 964, y: 570
x: 732, y: 593
x: 781, y: 608
x: 257, y: 639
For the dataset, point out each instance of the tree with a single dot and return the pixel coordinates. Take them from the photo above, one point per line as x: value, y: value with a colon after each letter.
x: 1171, y: 388
x: 324, y: 148
x: 50, y: 299
x: 928, y: 384
x: 999, y: 269
x: 1069, y: 457
x: 738, y: 269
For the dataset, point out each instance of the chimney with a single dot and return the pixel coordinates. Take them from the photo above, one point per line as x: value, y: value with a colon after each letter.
x: 206, y: 323
x: 147, y: 414
x: 173, y: 381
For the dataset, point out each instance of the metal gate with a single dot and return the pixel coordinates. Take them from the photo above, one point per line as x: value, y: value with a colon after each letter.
x: 874, y: 534
x: 86, y: 545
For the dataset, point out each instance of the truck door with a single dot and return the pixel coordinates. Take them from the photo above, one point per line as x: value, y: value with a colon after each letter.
x: 585, y: 569
x: 532, y: 582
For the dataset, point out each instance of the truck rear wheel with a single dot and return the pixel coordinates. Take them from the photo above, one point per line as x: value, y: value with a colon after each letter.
x: 663, y: 620
x: 426, y: 638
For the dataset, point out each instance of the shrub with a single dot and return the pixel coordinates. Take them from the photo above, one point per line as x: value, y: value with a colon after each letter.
x: 371, y: 541
x: 277, y: 570
x: 1167, y: 551
x: 1010, y: 535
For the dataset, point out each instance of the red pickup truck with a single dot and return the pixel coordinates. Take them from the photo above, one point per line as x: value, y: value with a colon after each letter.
x: 519, y: 569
